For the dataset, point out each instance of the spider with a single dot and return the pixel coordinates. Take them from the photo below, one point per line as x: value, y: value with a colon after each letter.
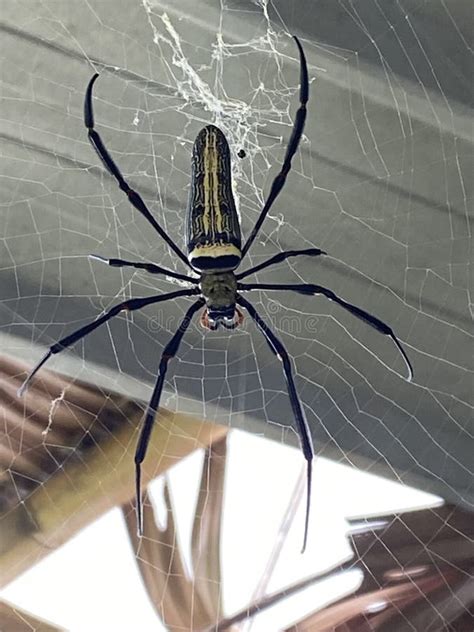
x: 215, y: 252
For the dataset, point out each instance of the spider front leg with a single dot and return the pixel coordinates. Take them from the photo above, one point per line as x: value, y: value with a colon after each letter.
x: 129, y: 305
x: 279, y: 350
x: 169, y: 352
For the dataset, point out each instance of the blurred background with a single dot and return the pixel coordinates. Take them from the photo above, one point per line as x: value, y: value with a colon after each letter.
x: 382, y: 182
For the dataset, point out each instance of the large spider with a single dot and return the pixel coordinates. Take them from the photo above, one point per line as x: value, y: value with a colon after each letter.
x: 215, y: 251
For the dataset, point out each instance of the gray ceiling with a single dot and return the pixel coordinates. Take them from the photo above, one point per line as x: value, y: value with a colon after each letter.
x: 382, y: 182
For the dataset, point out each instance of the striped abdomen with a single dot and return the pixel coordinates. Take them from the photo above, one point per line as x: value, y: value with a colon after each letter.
x: 213, y: 229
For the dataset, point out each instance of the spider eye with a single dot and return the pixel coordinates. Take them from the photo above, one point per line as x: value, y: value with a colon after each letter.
x: 234, y: 321
x: 212, y: 319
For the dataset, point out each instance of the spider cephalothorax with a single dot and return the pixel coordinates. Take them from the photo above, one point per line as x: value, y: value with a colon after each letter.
x: 215, y: 251
x: 220, y: 293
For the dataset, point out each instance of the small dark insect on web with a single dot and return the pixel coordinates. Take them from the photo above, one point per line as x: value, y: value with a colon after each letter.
x: 213, y: 255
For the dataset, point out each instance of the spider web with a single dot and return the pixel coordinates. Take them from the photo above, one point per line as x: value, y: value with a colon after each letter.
x: 381, y: 182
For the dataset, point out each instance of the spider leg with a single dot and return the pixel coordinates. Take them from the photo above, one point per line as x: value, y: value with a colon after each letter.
x: 278, y: 258
x: 135, y: 199
x: 361, y: 314
x: 303, y: 429
x: 129, y: 305
x: 298, y: 127
x: 168, y: 352
x: 152, y: 268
